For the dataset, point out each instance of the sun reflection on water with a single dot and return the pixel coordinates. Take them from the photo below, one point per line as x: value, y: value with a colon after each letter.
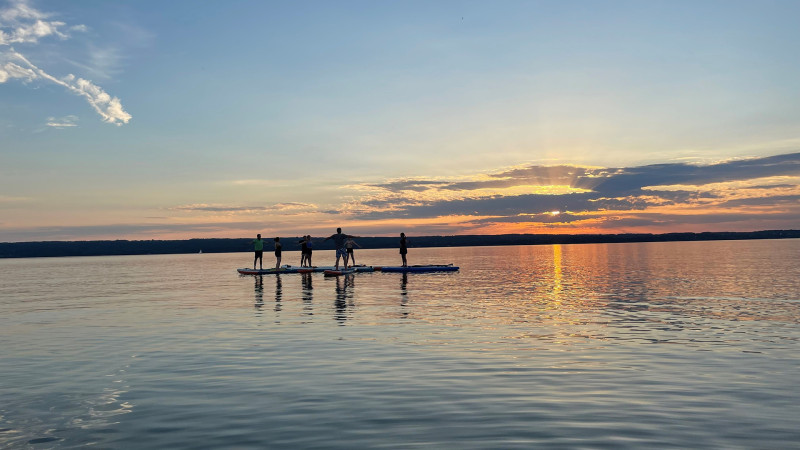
x: 557, y: 275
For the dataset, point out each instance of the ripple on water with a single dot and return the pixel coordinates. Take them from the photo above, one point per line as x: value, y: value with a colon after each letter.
x: 687, y: 345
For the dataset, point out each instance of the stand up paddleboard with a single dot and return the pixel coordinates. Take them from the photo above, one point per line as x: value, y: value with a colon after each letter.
x: 336, y: 273
x: 299, y: 269
x: 283, y: 269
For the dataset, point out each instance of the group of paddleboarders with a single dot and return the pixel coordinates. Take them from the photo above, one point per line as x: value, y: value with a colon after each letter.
x: 344, y: 244
x: 305, y: 251
x: 258, y: 246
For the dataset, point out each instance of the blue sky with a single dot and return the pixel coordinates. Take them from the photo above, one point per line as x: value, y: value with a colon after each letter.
x: 143, y: 119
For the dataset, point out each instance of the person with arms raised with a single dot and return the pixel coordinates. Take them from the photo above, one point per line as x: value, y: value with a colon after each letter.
x: 339, y: 240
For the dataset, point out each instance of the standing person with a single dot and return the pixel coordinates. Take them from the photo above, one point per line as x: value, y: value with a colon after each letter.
x: 348, y: 245
x: 303, y: 251
x: 309, y: 250
x: 278, y: 253
x: 258, y: 246
x: 403, y: 248
x: 338, y: 240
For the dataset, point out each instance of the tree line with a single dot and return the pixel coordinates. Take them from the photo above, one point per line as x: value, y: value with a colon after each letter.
x: 145, y: 247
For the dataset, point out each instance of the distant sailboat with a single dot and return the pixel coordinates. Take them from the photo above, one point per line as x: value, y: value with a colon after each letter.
x: 201, y: 251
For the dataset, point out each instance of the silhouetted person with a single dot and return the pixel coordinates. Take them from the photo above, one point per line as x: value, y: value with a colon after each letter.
x: 277, y: 253
x: 348, y: 245
x: 309, y: 250
x: 303, y: 250
x: 403, y: 248
x: 339, y: 241
x: 258, y: 246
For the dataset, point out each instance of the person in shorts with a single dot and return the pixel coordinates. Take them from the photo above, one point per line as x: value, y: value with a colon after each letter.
x: 303, y: 250
x: 258, y: 246
x: 403, y: 248
x: 339, y: 242
x: 348, y: 245
x: 309, y: 250
x: 277, y: 253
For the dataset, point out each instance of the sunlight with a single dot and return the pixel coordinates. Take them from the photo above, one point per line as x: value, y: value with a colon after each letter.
x: 557, y: 276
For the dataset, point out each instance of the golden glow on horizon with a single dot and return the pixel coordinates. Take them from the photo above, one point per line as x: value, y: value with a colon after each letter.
x: 385, y: 209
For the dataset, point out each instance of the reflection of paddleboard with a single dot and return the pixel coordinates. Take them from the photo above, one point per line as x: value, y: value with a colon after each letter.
x: 336, y: 273
x: 270, y: 271
x: 419, y: 268
x: 283, y: 269
x: 313, y: 269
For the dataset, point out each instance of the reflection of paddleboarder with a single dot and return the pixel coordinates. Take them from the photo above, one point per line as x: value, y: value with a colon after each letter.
x: 259, y: 290
x: 404, y: 311
x: 308, y: 293
x: 403, y: 248
x: 343, y: 287
x: 278, y: 292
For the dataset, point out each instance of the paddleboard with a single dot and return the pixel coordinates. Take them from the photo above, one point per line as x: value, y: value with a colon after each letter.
x: 299, y: 269
x: 284, y: 269
x: 336, y: 273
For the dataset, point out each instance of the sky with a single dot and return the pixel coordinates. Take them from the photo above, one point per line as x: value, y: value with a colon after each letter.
x: 139, y: 119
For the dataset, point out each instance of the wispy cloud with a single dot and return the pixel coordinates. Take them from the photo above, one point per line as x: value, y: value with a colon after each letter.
x: 22, y: 24
x: 232, y: 209
x: 122, y: 231
x: 62, y: 122
x: 9, y: 199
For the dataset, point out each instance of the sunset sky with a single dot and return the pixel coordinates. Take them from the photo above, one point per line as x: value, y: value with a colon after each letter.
x: 143, y: 119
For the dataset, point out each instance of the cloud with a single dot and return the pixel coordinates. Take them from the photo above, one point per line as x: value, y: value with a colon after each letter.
x: 119, y: 231
x: 22, y: 24
x: 63, y: 122
x: 10, y: 200
x: 779, y: 200
x: 10, y: 70
x: 287, y: 206
x: 612, y: 181
x: 26, y: 25
x: 633, y: 180
x: 771, y: 182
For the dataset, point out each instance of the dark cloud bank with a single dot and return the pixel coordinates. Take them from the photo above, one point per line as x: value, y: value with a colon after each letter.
x: 606, y: 189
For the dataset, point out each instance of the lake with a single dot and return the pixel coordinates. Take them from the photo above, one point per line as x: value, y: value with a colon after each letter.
x: 650, y: 345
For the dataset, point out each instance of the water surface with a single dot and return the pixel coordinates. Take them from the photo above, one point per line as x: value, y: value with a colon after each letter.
x: 653, y: 345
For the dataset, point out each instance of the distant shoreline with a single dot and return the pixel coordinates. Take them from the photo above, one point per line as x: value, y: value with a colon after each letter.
x: 221, y: 245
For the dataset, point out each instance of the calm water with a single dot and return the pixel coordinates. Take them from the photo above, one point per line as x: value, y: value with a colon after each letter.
x: 658, y: 345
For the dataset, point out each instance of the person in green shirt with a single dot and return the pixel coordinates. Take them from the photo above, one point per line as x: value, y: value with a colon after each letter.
x: 258, y: 245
